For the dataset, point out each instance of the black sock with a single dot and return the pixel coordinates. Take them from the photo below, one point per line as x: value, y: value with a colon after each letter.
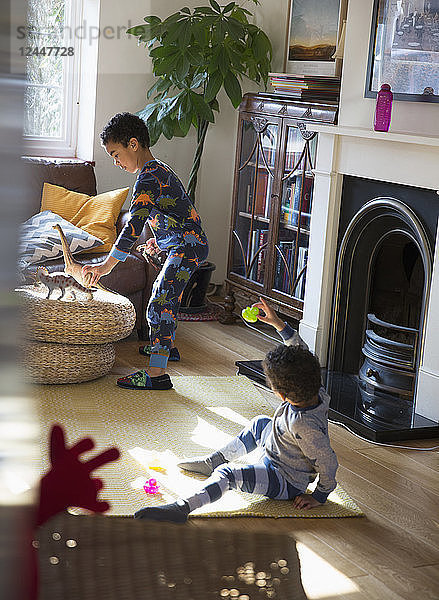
x: 175, y: 512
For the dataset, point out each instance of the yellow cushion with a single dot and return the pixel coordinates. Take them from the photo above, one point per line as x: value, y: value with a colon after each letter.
x: 95, y: 214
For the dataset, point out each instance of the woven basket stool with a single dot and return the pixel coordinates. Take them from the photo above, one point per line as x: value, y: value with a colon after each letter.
x: 71, y: 341
x: 67, y: 363
x: 107, y: 318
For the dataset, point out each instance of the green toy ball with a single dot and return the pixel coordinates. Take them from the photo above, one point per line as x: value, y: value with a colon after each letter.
x: 250, y: 314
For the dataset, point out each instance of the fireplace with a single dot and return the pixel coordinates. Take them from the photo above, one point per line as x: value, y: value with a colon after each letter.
x: 381, y: 292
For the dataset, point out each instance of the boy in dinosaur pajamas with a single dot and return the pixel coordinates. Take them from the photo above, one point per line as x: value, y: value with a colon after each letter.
x: 160, y: 200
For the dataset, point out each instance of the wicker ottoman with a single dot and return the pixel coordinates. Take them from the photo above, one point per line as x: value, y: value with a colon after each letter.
x: 71, y: 341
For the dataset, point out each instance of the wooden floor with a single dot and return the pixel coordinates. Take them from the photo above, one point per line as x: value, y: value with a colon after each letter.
x: 393, y: 552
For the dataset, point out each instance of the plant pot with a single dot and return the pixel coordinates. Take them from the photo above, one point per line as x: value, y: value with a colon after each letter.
x: 194, y: 295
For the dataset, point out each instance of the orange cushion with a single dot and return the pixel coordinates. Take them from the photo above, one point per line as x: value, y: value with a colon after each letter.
x: 95, y: 214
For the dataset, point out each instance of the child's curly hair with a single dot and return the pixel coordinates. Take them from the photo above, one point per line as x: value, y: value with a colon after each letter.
x: 124, y: 126
x: 293, y: 372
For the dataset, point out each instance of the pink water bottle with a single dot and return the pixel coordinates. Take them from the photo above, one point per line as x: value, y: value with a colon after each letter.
x: 383, y: 110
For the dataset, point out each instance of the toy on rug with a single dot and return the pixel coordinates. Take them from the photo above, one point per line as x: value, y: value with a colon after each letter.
x: 151, y: 486
x: 61, y: 281
x: 250, y: 314
x: 154, y: 463
x: 72, y: 267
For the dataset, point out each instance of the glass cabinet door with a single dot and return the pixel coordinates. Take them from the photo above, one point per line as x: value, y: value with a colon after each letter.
x: 255, y: 175
x: 291, y: 247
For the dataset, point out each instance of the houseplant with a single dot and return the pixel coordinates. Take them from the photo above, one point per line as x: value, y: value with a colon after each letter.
x: 196, y: 53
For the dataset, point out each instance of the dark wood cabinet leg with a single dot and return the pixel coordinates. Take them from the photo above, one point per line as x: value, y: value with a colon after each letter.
x: 228, y: 318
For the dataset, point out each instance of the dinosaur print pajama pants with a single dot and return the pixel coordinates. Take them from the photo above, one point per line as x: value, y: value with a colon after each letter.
x: 166, y: 297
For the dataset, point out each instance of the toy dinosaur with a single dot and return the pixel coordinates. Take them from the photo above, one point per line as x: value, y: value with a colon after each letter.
x: 60, y: 281
x: 74, y: 268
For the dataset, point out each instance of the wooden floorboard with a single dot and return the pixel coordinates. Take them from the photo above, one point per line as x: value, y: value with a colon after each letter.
x: 390, y: 554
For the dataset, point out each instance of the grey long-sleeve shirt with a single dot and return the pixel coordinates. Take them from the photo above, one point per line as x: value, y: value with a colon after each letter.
x: 299, y: 445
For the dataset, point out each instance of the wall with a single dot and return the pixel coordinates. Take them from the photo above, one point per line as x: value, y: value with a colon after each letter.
x: 357, y: 111
x: 124, y: 75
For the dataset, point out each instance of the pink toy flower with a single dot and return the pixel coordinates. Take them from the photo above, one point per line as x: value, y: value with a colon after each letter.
x: 151, y: 486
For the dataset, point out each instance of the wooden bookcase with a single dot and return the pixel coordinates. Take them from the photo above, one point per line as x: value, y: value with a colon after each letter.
x: 272, y: 202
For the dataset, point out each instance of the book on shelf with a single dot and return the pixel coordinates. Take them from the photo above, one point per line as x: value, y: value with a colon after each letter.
x: 291, y: 159
x: 306, y: 197
x: 263, y: 238
x: 262, y: 187
x: 302, y: 258
x: 248, y: 198
x: 259, y: 238
x: 286, y: 207
x: 281, y: 279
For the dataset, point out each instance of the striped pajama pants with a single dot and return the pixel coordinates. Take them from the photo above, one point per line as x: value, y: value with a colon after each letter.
x: 260, y: 478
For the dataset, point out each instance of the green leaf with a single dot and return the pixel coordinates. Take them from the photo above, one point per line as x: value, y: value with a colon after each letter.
x: 235, y: 28
x: 175, y: 30
x: 184, y: 114
x: 186, y: 10
x: 223, y: 62
x: 153, y: 88
x: 214, y: 62
x: 201, y: 107
x: 229, y: 7
x: 213, y: 86
x: 198, y: 80
x: 146, y: 32
x: 178, y: 132
x: 168, y: 128
x: 233, y: 89
x: 146, y: 112
x: 182, y: 67
x: 216, y: 7
x: 152, y: 20
x: 162, y: 51
x: 196, y: 57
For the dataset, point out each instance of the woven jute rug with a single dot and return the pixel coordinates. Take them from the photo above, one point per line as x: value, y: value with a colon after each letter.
x: 155, y: 429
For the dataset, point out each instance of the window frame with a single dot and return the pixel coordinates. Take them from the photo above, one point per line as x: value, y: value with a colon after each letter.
x: 64, y: 146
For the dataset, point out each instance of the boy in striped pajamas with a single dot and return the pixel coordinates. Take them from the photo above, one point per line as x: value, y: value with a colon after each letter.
x: 295, y: 440
x: 160, y: 200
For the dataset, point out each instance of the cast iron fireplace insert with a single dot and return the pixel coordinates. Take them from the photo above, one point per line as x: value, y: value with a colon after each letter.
x: 380, y: 298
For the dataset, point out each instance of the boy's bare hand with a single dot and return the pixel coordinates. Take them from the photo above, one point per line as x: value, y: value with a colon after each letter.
x: 305, y: 501
x: 95, y: 272
x: 269, y: 315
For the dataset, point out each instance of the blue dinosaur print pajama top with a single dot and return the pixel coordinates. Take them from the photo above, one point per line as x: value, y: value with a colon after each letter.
x: 159, y: 199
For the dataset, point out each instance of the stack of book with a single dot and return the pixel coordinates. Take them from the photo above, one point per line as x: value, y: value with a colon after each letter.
x: 306, y: 87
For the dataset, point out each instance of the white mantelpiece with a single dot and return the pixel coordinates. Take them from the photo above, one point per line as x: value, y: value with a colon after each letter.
x: 401, y: 158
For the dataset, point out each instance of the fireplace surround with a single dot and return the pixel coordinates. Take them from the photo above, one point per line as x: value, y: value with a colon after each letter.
x: 372, y: 281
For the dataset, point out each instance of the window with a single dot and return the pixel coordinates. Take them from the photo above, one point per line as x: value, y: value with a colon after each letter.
x: 52, y: 64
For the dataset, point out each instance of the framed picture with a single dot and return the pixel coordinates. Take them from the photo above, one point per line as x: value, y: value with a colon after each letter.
x: 313, y: 30
x: 404, y: 49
